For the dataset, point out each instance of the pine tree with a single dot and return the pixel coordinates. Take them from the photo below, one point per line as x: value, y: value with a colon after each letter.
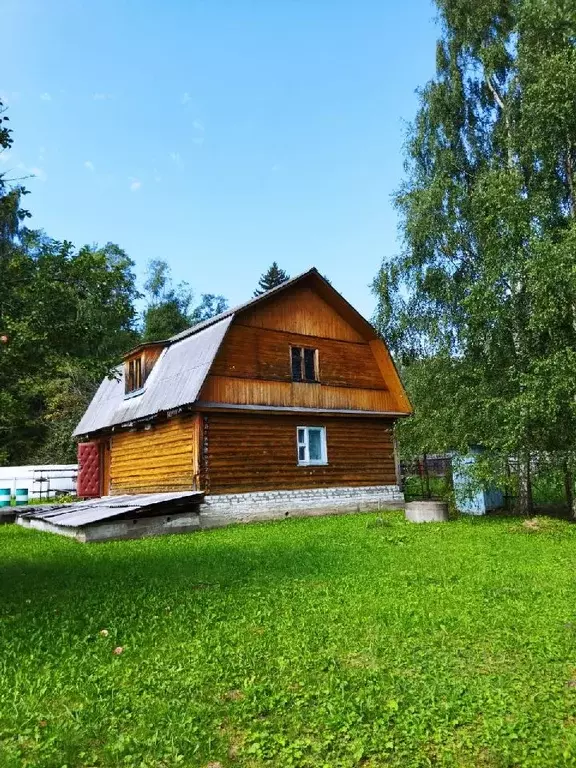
x: 273, y: 277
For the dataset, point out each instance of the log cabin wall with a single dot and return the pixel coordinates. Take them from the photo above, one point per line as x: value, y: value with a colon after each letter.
x: 162, y: 458
x: 258, y: 452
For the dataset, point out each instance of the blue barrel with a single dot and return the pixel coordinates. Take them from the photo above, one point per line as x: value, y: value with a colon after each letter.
x: 21, y: 496
x: 5, y: 497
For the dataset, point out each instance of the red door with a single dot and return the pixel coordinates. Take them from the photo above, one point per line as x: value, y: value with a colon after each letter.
x: 88, y: 470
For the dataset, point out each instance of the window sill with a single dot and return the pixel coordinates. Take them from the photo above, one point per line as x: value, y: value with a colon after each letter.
x: 135, y: 393
x: 305, y: 381
x: 312, y: 464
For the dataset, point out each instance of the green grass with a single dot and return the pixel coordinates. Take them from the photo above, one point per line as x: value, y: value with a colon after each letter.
x: 343, y: 642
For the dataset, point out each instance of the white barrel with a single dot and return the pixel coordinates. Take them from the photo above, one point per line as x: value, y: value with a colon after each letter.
x: 21, y: 496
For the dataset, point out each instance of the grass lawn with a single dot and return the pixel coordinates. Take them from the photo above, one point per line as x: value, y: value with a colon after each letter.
x: 341, y: 642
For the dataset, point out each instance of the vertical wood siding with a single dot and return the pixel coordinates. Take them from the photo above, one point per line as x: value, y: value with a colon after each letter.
x: 222, y: 389
x: 300, y: 310
x: 246, y: 452
x: 163, y: 458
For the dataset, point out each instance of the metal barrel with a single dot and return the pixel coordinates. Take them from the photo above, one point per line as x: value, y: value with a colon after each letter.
x: 21, y: 496
x: 5, y: 497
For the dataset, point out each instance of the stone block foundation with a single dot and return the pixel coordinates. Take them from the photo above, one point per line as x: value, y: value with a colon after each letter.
x: 219, y: 510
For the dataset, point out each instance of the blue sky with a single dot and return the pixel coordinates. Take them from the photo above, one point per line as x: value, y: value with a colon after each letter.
x: 219, y: 135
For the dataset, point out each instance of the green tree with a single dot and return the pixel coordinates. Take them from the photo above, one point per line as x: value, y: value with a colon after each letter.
x: 273, y: 277
x: 210, y: 306
x: 170, y: 308
x: 480, y: 304
x: 71, y: 315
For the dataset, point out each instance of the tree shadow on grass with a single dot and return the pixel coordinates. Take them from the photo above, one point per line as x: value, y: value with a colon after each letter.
x: 34, y: 566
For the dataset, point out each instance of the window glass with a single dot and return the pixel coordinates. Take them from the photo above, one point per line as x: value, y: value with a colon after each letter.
x: 311, y: 445
x: 315, y: 445
x: 310, y: 364
x: 296, y: 364
x: 134, y: 379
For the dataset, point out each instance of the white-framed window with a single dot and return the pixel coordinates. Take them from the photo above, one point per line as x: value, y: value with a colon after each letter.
x: 311, y: 445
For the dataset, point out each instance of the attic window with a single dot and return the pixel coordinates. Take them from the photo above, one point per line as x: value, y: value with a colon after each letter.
x: 304, y: 363
x: 133, y: 378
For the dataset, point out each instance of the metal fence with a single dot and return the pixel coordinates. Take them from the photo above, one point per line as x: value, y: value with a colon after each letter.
x: 426, y: 477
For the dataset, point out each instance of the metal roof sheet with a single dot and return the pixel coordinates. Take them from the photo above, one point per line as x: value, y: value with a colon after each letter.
x: 175, y: 380
x: 93, y: 510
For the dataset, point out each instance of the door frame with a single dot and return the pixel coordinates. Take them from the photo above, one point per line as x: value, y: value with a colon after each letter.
x: 105, y: 466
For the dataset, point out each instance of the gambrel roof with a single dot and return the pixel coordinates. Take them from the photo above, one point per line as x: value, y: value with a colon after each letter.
x: 183, y: 365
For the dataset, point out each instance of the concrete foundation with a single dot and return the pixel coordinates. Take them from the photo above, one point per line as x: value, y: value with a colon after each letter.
x: 223, y: 510
x: 135, y: 528
x: 427, y: 511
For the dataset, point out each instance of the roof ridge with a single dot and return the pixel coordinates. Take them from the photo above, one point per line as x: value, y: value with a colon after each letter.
x: 240, y: 307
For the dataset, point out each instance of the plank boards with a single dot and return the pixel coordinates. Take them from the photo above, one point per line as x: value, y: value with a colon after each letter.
x: 258, y: 353
x: 299, y: 309
x: 245, y: 452
x: 223, y: 389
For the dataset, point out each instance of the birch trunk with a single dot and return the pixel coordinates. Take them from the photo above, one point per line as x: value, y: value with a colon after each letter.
x: 525, y: 502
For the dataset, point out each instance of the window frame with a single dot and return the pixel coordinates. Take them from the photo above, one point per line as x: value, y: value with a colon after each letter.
x: 130, y: 390
x: 303, y: 379
x: 307, y: 461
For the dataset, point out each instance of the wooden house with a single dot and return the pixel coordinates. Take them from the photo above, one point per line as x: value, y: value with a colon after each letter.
x: 287, y: 402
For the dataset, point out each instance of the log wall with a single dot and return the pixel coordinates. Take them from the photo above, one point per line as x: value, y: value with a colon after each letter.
x: 245, y: 452
x: 163, y: 458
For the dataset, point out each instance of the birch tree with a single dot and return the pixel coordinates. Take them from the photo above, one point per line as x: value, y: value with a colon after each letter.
x: 481, y: 302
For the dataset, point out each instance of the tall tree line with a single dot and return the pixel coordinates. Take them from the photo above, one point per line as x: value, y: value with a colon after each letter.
x: 480, y: 305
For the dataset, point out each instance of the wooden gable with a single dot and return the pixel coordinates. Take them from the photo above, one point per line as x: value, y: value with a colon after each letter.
x: 302, y: 310
x: 253, y: 367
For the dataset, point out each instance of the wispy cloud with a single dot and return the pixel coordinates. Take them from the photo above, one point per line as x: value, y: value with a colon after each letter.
x: 176, y: 158
x: 186, y: 98
x: 89, y: 165
x: 100, y: 96
x: 9, y: 97
x: 275, y: 168
x: 135, y: 185
x: 198, y: 125
x: 45, y: 96
x: 4, y: 156
x: 33, y: 170
x: 198, y: 140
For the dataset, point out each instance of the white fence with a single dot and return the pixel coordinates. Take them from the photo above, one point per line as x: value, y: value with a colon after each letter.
x: 43, y: 481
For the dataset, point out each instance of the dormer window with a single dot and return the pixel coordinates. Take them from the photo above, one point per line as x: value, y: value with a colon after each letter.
x: 304, y: 364
x: 138, y: 365
x: 133, y: 378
